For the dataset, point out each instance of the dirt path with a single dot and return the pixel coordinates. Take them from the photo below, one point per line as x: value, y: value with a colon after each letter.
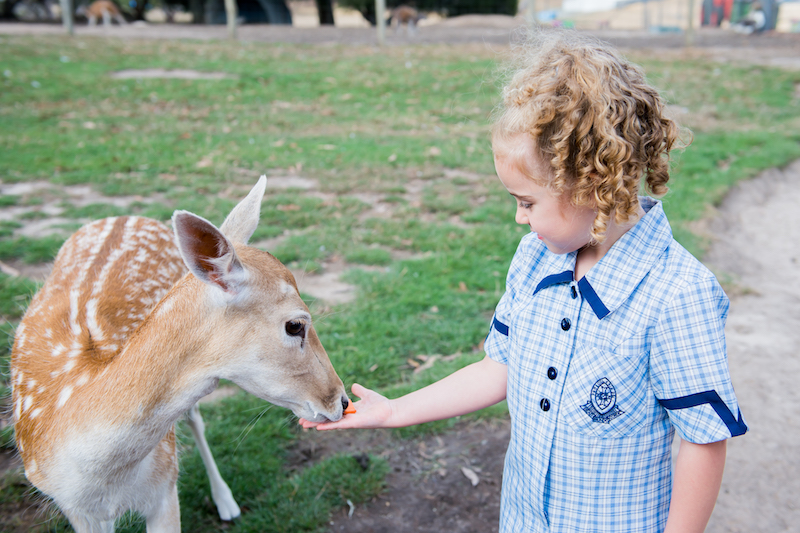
x: 757, y: 238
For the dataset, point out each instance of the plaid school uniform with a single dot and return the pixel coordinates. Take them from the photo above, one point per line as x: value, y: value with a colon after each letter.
x: 601, y: 373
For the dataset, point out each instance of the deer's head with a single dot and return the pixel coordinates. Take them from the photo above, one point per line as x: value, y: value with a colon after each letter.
x: 272, y: 350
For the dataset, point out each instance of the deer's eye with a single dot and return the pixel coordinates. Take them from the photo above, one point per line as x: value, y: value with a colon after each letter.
x: 295, y: 328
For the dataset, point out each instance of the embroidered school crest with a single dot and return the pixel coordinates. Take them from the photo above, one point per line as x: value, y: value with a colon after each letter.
x: 602, y: 405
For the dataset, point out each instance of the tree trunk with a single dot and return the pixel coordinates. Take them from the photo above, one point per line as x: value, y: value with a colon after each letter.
x: 325, y: 10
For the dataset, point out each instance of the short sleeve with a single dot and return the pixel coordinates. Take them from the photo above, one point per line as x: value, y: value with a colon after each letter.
x: 496, y: 344
x: 689, y: 364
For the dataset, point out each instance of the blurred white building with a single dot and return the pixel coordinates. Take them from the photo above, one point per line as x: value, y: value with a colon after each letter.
x: 587, y: 6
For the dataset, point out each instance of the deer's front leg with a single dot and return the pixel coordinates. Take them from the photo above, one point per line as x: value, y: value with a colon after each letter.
x: 167, y: 517
x: 220, y: 492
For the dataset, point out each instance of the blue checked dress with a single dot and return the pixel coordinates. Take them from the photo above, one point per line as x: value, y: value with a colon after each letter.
x: 601, y: 373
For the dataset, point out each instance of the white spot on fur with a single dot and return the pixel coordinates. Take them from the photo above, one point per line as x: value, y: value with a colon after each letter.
x: 64, y: 396
x: 91, y: 320
x: 31, y: 383
x: 70, y: 365
x: 26, y: 403
x: 18, y: 410
x: 141, y: 256
x: 165, y: 307
x: 74, y: 294
x: 83, y: 380
x: 58, y: 349
x: 20, y: 335
x: 36, y: 412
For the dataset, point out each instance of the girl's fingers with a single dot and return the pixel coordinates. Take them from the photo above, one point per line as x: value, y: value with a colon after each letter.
x: 307, y: 424
x: 359, y: 391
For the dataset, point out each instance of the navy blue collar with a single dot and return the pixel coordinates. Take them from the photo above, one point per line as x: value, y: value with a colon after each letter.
x: 611, y: 281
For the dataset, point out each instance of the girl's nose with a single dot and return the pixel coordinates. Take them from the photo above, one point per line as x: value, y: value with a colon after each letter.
x: 520, y: 217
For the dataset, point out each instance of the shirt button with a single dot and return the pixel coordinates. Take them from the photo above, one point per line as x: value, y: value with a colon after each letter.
x: 573, y: 291
x: 565, y: 324
x: 552, y: 373
x: 545, y: 404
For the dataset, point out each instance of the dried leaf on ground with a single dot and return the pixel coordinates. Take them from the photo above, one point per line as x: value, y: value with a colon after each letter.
x: 470, y: 475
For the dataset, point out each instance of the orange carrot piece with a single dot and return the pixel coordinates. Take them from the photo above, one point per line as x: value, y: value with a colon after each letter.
x: 349, y: 410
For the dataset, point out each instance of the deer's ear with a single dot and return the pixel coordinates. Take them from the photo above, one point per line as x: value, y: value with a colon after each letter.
x: 207, y: 253
x: 243, y: 219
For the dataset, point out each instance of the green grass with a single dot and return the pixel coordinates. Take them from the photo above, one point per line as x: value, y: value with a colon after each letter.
x: 373, y: 128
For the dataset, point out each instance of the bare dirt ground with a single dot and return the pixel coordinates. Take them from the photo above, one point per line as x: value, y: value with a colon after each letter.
x: 755, y: 252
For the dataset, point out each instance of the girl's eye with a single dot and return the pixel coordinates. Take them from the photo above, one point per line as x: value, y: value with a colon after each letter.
x: 295, y: 328
x: 523, y: 205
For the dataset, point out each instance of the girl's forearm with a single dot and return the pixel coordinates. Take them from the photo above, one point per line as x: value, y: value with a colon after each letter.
x: 472, y: 388
x: 698, y: 476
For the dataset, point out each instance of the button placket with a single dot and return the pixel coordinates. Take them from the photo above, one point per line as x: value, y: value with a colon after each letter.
x: 552, y: 371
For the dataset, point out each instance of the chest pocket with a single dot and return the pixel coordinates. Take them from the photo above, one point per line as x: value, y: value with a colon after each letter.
x: 607, y: 394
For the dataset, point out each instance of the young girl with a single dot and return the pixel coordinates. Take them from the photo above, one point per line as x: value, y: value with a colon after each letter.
x: 610, y: 335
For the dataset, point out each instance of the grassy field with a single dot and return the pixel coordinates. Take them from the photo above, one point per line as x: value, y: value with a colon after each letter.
x: 402, y: 128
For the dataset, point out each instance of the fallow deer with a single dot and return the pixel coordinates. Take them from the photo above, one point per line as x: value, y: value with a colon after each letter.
x: 404, y: 14
x: 105, y: 9
x: 120, y: 342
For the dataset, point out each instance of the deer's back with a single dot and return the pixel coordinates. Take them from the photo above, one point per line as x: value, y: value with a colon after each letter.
x: 105, y: 280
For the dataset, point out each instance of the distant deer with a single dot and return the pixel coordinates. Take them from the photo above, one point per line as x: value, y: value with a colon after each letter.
x: 119, y: 343
x: 105, y: 9
x: 407, y: 15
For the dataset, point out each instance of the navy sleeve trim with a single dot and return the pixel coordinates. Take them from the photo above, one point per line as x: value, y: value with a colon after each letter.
x: 597, y: 305
x: 500, y: 327
x: 735, y: 426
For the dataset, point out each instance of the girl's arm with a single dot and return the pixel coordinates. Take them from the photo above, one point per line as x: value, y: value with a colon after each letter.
x: 472, y: 388
x: 698, y: 475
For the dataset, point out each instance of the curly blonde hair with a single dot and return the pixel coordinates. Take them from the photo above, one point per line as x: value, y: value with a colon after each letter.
x: 593, y: 118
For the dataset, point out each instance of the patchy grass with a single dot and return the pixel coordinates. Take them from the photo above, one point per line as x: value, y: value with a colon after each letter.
x: 403, y: 129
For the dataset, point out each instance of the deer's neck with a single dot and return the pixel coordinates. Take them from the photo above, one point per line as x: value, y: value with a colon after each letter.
x: 164, y: 369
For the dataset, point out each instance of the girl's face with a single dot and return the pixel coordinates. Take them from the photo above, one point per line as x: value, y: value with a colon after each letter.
x: 562, y: 226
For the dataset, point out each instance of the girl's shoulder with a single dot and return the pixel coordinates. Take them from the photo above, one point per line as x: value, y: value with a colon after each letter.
x: 677, y: 262
x: 682, y: 277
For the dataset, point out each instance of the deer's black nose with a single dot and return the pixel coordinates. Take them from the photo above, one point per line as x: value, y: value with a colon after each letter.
x: 345, y: 402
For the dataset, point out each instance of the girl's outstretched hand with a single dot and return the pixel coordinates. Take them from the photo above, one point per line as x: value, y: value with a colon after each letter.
x: 372, y: 411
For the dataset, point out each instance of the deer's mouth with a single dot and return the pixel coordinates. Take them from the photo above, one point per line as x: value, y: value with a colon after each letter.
x: 314, y: 413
